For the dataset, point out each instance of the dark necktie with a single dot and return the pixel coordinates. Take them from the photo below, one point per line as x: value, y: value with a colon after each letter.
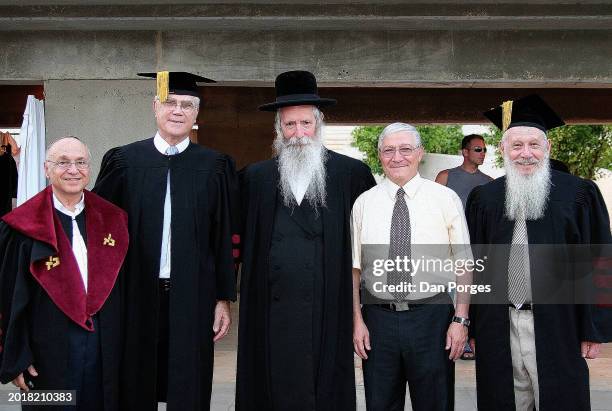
x: 399, y: 243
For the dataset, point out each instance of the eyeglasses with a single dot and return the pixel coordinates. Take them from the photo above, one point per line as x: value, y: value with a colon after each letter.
x: 389, y: 152
x: 65, y: 165
x: 479, y: 149
x: 185, y: 106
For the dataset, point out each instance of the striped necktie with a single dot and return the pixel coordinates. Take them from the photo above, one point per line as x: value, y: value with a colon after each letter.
x: 518, y: 263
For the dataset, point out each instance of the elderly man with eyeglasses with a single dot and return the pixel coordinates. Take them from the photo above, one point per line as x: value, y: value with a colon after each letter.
x: 61, y: 253
x: 179, y: 270
x: 407, y: 330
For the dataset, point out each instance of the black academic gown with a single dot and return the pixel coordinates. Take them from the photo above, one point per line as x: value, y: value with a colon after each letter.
x: 8, y: 181
x: 134, y: 177
x: 335, y: 378
x: 41, y: 313
x: 576, y: 214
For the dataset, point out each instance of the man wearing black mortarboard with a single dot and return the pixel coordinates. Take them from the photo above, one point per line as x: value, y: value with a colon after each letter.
x: 533, y: 338
x: 179, y: 269
x: 295, y: 349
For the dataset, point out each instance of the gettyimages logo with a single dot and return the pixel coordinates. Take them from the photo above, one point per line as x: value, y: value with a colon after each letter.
x: 556, y: 274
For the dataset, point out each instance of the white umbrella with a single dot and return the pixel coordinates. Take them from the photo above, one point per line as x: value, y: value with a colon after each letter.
x: 31, y: 179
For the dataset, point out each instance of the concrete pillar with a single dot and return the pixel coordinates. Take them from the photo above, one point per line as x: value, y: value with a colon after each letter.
x: 102, y: 113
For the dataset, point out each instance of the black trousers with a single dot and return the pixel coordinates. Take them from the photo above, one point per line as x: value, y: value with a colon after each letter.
x: 85, y: 367
x: 162, y: 340
x: 408, y: 346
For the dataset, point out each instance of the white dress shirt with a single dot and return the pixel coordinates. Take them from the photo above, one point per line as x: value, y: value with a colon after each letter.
x: 299, y: 186
x: 436, y: 218
x: 79, y: 249
x: 164, y: 261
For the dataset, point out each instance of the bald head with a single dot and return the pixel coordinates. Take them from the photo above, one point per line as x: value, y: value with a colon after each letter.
x: 67, y: 168
x: 62, y: 143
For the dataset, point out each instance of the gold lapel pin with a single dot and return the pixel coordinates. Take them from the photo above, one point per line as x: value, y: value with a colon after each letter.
x: 109, y: 241
x: 53, y: 262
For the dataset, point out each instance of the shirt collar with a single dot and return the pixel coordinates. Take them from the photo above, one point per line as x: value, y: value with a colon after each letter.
x: 411, y: 187
x: 78, y: 208
x: 162, y: 145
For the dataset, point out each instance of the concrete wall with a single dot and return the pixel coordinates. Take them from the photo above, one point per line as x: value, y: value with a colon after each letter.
x: 337, y: 57
x: 102, y: 113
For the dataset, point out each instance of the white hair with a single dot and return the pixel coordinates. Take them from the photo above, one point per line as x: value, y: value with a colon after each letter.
x: 396, y: 128
x: 527, y: 195
x: 301, y: 163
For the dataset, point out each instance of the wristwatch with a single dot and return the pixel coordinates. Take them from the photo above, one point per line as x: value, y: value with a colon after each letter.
x: 462, y: 321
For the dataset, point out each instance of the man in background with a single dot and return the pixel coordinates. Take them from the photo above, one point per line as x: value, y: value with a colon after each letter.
x: 463, y: 179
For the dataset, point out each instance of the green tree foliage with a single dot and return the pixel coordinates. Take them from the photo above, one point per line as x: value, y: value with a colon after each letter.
x: 366, y: 140
x: 584, y: 149
x: 441, y: 139
x: 435, y: 139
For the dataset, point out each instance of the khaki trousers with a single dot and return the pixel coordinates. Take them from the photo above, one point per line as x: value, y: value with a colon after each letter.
x: 524, y: 365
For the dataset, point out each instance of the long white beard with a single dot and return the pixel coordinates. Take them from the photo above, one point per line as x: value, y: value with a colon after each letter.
x: 527, y: 194
x: 301, y: 162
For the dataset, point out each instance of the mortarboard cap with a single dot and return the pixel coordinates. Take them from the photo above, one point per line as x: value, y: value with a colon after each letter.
x: 176, y: 82
x: 530, y: 111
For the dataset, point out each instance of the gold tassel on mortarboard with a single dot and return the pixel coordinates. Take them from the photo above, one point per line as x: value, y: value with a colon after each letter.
x: 506, y: 114
x: 163, y: 79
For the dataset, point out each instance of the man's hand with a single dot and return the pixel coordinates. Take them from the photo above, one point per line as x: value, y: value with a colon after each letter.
x: 361, y: 338
x: 19, y: 382
x: 472, y: 343
x: 456, y: 337
x: 590, y: 349
x: 223, y: 320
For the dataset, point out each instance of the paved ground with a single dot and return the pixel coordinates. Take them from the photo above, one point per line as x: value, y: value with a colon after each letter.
x: 465, y: 391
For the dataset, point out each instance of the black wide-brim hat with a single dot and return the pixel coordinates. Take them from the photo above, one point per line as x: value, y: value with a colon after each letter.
x: 296, y: 88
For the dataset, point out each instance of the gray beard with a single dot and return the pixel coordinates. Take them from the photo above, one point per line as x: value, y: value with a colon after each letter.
x: 302, y: 160
x: 527, y: 195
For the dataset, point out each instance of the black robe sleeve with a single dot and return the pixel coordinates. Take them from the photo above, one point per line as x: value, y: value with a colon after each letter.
x: 109, y: 184
x: 361, y: 181
x: 225, y: 227
x: 475, y: 217
x: 15, y: 352
x: 593, y: 221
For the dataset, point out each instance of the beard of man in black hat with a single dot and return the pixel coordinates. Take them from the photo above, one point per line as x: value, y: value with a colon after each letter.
x: 301, y: 155
x: 295, y: 330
